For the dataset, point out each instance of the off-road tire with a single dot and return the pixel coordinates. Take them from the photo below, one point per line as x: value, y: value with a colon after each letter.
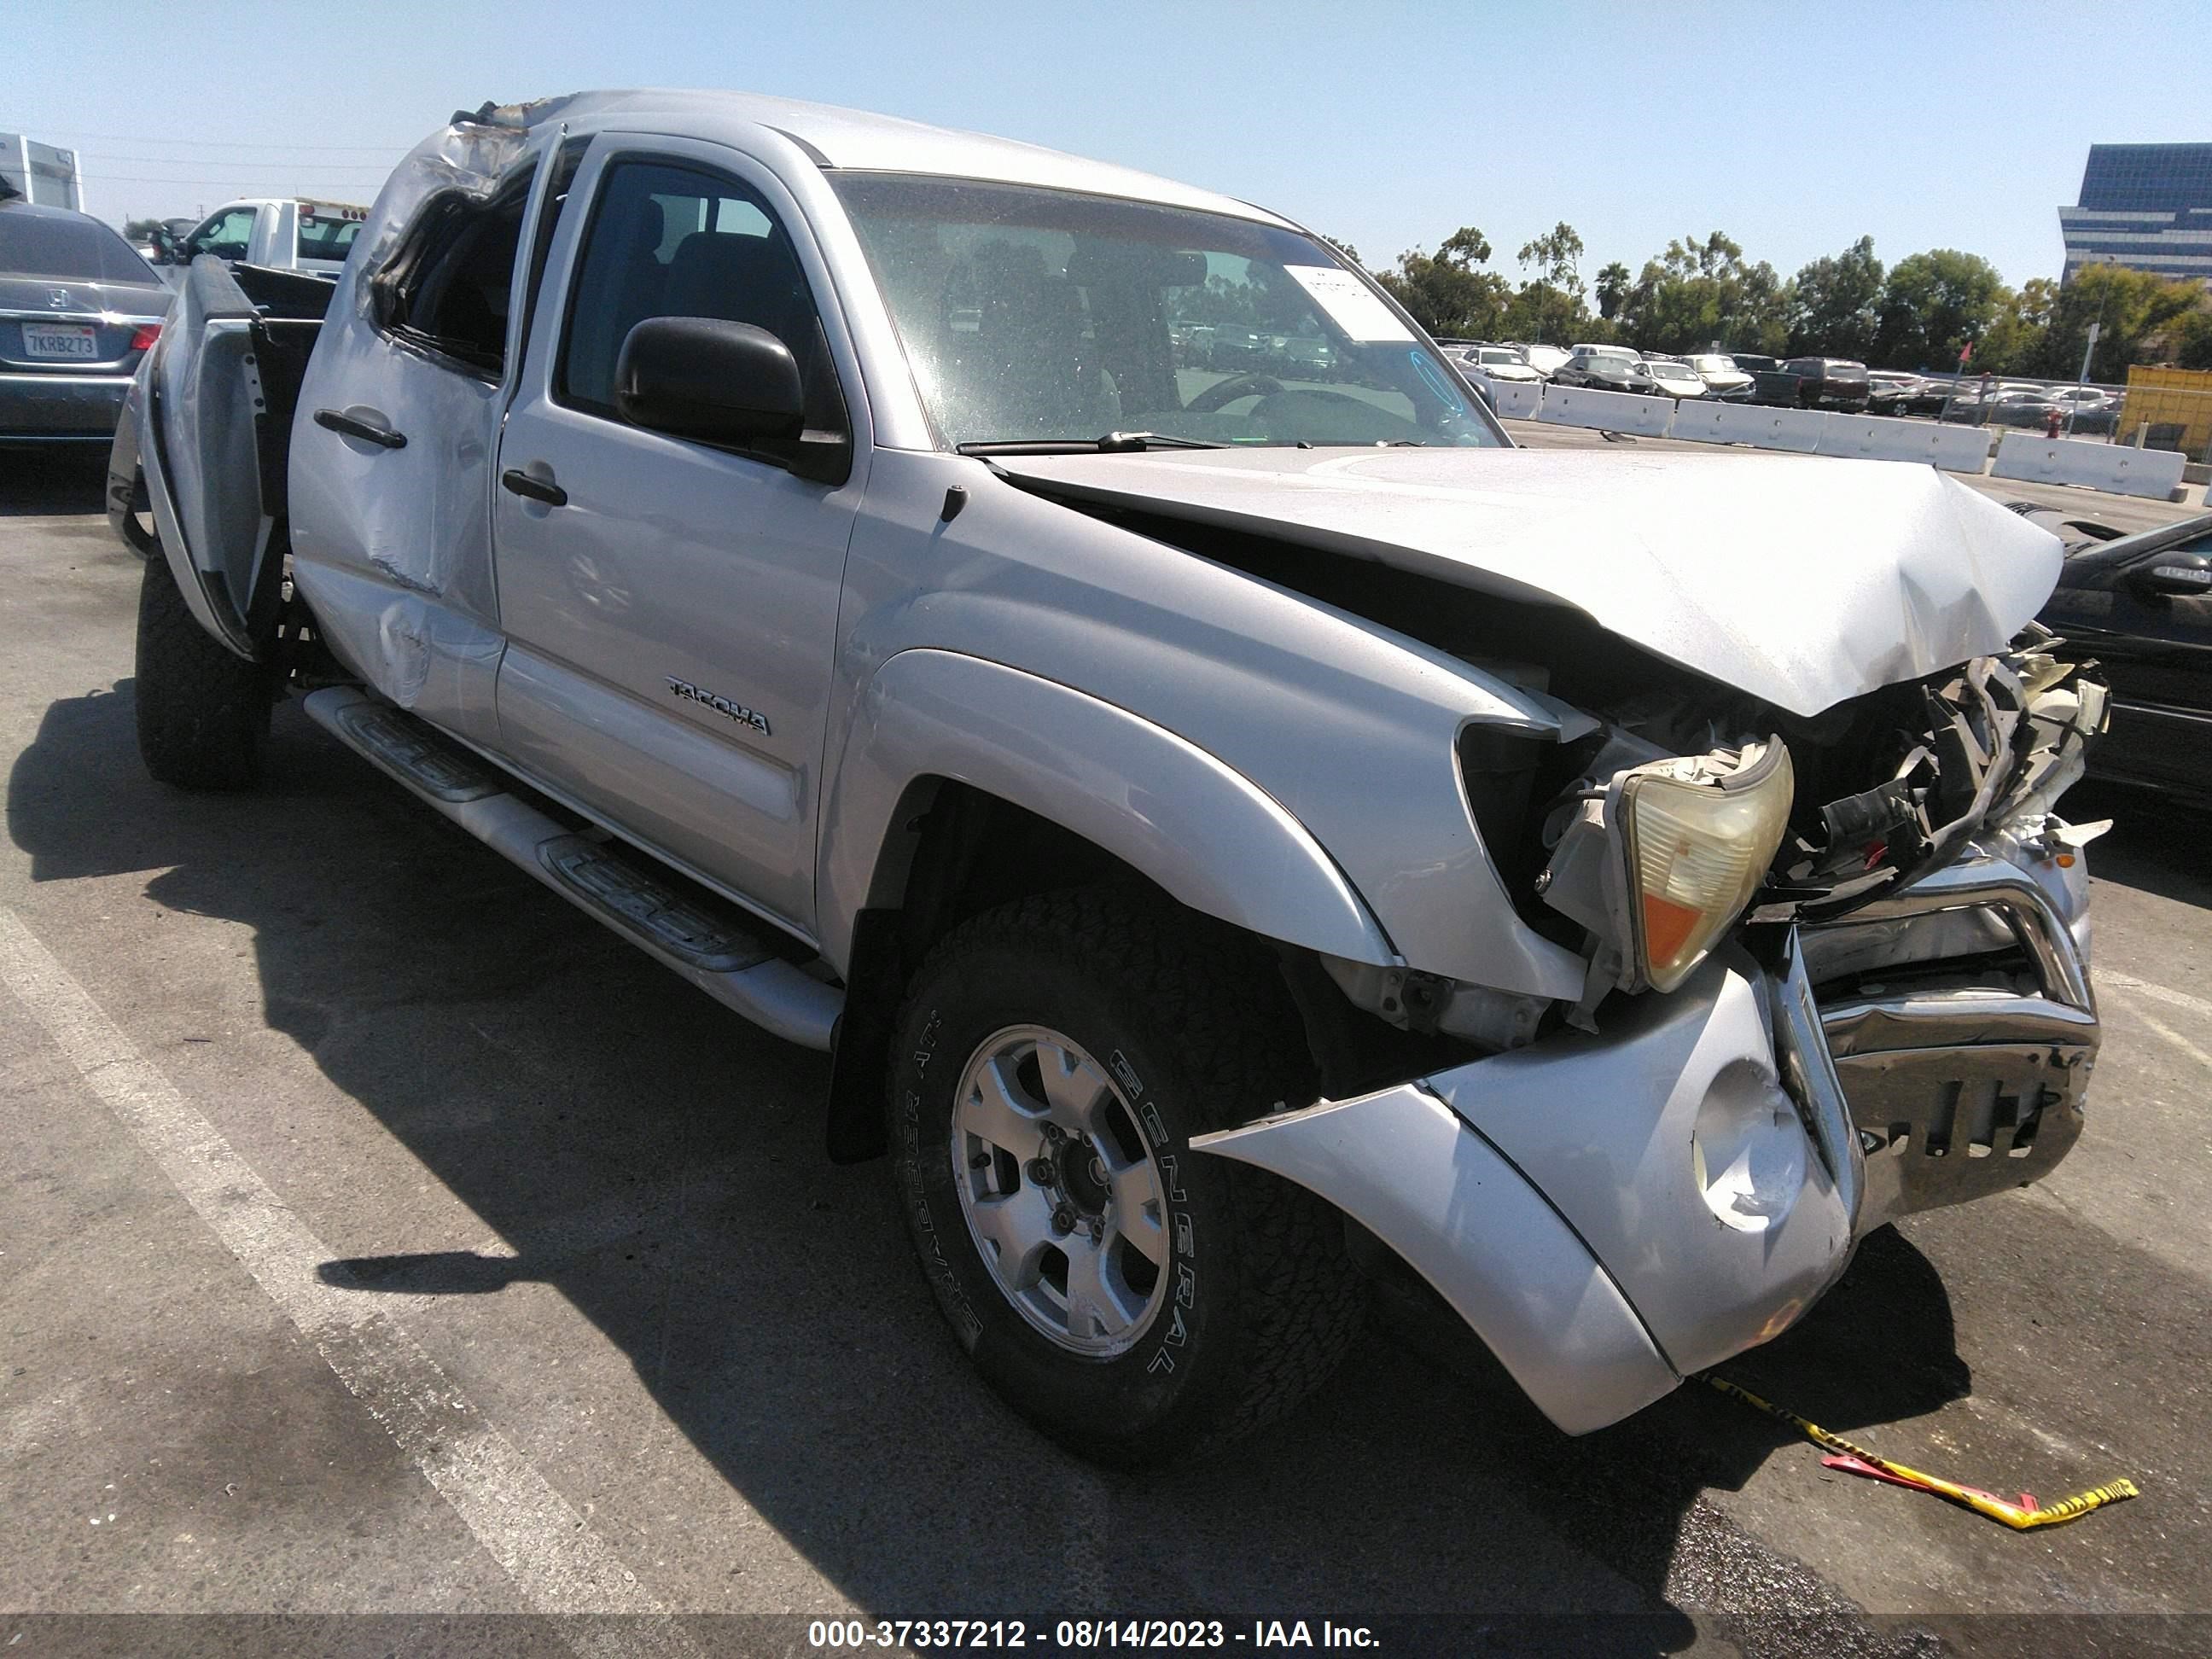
x: 1262, y: 1302
x: 203, y: 711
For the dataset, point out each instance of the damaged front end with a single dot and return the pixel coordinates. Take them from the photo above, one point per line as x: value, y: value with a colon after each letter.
x: 1837, y: 973
x: 1936, y: 914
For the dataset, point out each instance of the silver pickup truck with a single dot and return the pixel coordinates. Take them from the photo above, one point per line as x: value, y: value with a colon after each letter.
x: 1239, y: 824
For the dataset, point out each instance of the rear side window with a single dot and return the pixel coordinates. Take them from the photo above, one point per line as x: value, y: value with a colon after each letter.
x: 447, y: 288
x: 75, y: 250
x: 322, y: 237
x: 667, y: 240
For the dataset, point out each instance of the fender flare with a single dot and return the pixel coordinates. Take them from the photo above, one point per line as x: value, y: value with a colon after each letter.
x: 1203, y: 832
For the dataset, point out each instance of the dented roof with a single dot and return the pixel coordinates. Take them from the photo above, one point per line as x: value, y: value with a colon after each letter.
x: 833, y: 137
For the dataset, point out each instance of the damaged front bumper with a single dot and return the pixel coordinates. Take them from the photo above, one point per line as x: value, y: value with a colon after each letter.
x: 1962, y: 1024
x: 1613, y: 1211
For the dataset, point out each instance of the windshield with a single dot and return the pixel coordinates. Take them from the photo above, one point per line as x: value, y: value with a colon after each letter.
x: 1044, y: 315
x: 1713, y: 365
x: 1501, y: 357
x: 1672, y: 370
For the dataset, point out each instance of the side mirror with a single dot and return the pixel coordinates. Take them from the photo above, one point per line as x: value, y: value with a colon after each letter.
x: 2169, y: 574
x: 706, y: 379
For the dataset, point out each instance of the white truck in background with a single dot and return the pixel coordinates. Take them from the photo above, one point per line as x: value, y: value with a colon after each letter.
x: 292, y: 233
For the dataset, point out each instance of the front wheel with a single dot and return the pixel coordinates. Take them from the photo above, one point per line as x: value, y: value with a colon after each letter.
x: 1132, y: 1298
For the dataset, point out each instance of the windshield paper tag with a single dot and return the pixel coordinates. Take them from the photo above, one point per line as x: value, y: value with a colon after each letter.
x: 1350, y: 306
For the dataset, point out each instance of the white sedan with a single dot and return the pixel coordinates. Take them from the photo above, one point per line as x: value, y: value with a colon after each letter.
x: 1721, y: 375
x: 1676, y: 379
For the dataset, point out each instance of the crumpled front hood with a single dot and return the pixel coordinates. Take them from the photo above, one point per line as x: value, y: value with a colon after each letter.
x: 1800, y: 579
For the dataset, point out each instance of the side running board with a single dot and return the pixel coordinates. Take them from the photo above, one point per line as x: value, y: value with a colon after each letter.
x: 709, y: 942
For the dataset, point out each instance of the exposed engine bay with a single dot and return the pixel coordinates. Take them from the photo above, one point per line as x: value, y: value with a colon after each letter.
x: 1940, y: 761
x: 1748, y: 810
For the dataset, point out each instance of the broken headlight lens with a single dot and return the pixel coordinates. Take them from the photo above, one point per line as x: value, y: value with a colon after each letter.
x: 1701, y: 831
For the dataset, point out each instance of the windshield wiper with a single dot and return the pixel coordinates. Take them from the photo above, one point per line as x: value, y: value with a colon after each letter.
x: 1113, y: 443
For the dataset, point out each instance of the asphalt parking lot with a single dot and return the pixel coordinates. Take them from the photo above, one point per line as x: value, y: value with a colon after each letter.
x: 381, y: 1237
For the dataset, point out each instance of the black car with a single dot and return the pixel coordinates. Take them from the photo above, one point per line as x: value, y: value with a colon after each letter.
x: 1752, y: 362
x: 78, y: 308
x: 1606, y: 370
x: 2141, y: 605
x: 1890, y: 392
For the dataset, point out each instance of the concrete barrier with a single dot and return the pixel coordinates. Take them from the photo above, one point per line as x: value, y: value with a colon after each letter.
x: 1608, y: 411
x: 2115, y: 467
x: 1516, y: 400
x: 1884, y: 438
x: 1756, y: 424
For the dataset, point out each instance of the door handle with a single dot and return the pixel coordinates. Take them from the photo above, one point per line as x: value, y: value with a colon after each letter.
x: 382, y: 437
x: 538, y: 490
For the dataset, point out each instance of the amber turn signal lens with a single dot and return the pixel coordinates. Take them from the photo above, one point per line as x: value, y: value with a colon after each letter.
x: 1702, y: 832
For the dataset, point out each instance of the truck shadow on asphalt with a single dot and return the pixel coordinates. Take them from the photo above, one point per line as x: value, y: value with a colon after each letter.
x: 658, y: 1162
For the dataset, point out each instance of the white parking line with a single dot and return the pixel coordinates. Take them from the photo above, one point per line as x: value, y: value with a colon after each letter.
x: 2144, y: 987
x: 560, y: 1564
x: 2178, y: 1041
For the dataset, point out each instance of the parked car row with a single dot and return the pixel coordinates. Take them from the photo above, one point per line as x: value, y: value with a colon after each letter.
x: 1837, y: 383
x: 2085, y: 409
x: 1810, y: 382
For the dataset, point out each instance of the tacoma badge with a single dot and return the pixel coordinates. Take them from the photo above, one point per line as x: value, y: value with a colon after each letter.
x: 736, y: 711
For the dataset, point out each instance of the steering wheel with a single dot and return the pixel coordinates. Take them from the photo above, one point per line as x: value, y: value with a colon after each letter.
x: 1306, y: 414
x: 1229, y: 391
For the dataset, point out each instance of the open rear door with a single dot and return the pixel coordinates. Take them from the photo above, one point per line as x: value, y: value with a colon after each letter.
x: 214, y: 410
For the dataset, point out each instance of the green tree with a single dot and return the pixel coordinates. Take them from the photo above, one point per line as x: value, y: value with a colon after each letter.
x: 1700, y: 290
x: 2139, y: 313
x: 1934, y: 303
x: 1838, y: 304
x: 1347, y: 251
x: 1549, y: 306
x: 1445, y: 292
x: 1613, y: 285
x: 2192, y: 338
x: 2014, y: 336
x: 1556, y: 257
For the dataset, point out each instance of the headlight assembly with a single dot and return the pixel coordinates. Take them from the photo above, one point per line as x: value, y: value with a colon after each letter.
x: 1699, y: 833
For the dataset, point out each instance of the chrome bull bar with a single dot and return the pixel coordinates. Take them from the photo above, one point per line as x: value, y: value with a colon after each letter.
x: 1966, y: 1081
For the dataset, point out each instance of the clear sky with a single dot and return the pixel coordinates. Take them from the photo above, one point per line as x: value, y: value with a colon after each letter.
x: 1795, y: 127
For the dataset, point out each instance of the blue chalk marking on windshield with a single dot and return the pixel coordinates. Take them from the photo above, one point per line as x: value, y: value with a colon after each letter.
x: 1446, y: 392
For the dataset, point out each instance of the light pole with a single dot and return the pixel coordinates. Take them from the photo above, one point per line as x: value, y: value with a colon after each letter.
x: 2103, y: 297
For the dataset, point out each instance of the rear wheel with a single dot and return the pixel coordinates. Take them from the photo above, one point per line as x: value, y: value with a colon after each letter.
x: 1132, y: 1298
x: 203, y: 711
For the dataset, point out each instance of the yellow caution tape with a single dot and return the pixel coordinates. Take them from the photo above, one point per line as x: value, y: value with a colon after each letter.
x: 1857, y: 1460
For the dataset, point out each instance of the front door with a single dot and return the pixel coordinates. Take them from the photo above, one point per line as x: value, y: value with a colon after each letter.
x: 2157, y: 657
x: 671, y: 608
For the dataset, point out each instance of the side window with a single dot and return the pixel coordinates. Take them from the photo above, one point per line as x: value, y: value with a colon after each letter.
x: 227, y: 235
x: 668, y: 241
x: 324, y: 236
x: 447, y: 288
